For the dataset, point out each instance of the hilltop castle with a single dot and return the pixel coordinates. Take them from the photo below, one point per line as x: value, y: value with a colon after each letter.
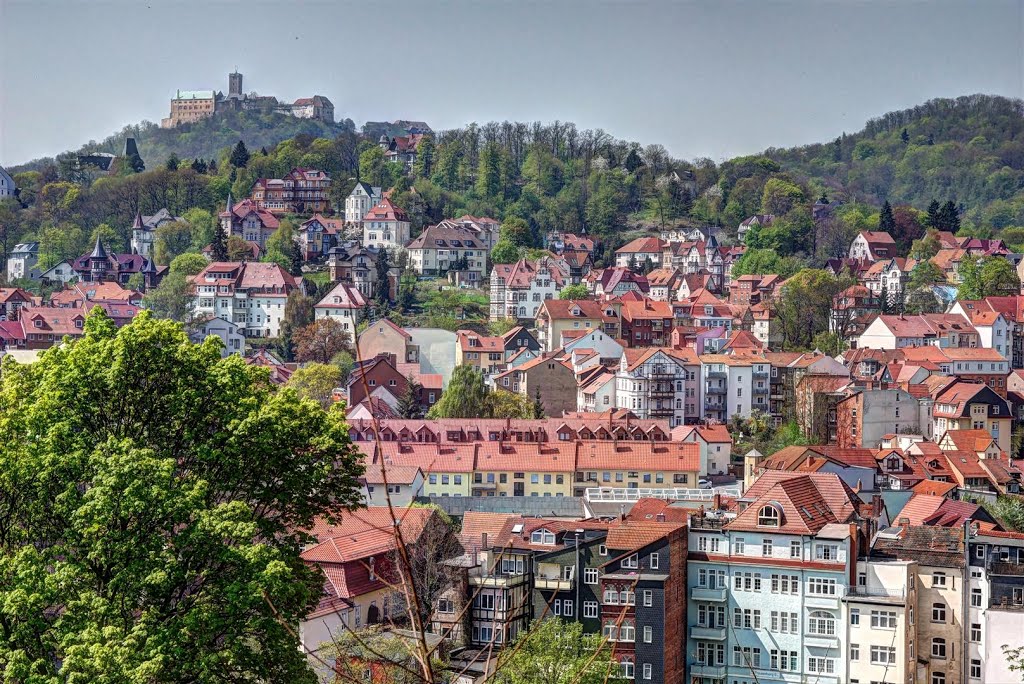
x: 189, y: 106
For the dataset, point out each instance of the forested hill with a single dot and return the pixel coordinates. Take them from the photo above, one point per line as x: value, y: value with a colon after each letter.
x: 204, y: 139
x: 969, y: 149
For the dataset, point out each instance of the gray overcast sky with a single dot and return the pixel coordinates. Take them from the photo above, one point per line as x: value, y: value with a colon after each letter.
x: 710, y: 79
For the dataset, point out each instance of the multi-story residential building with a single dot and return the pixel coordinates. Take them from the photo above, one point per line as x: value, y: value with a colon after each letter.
x: 100, y: 266
x: 664, y: 283
x: 879, y: 622
x: 401, y: 149
x: 560, y: 318
x: 636, y: 253
x: 615, y: 282
x: 641, y: 585
x: 940, y: 636
x: 995, y: 606
x: 550, y: 379
x: 317, y: 235
x: 12, y: 299
x: 7, y: 185
x: 361, y: 573
x: 715, y: 443
x: 250, y: 294
x: 344, y: 304
x: 568, y: 562
x: 645, y: 323
x: 938, y: 330
x: 248, y: 222
x: 385, y: 225
x: 766, y: 588
x: 189, y: 106
x: 144, y: 230
x: 362, y: 198
x: 634, y: 464
x: 660, y: 383
x: 46, y: 326
x: 447, y: 468
x: 994, y: 330
x: 734, y: 384
x: 1012, y: 310
x: 486, y: 354
x: 301, y: 191
x: 356, y: 265
x: 873, y: 245
x: 384, y: 337
x: 960, y: 405
x: 519, y: 289
x: 382, y: 379
x: 868, y: 414
x: 21, y: 262
x: 485, y: 228
x: 753, y: 289
x: 851, y: 309
x: 440, y: 248
x: 986, y: 366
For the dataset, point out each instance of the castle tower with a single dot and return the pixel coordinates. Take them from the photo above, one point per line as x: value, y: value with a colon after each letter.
x: 235, y: 85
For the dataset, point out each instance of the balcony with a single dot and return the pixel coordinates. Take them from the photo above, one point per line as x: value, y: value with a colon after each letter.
x: 821, y: 641
x: 822, y: 600
x: 714, y: 633
x: 482, y: 577
x: 715, y: 374
x: 1007, y: 569
x: 760, y: 374
x: 707, y: 593
x: 875, y: 595
x: 553, y: 583
x: 702, y: 670
x: 715, y: 389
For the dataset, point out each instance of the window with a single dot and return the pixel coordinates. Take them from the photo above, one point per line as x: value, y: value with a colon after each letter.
x: 794, y: 549
x: 883, y: 655
x: 647, y: 670
x: 784, y: 623
x: 602, y: 550
x: 654, y: 561
x: 854, y: 652
x: 938, y: 612
x: 828, y: 552
x: 855, y: 616
x: 766, y: 547
x: 821, y: 586
x: 975, y: 632
x: 648, y: 634
x: 746, y: 656
x: 938, y: 678
x: 747, y: 581
x: 975, y: 669
x: 590, y: 609
x: 821, y: 623
x: 976, y: 598
x: 783, y: 660
x: 785, y: 584
x: 768, y: 517
x: 821, y: 665
x: 746, y: 618
x: 567, y: 608
x: 445, y: 606
x: 938, y: 579
x: 883, y: 619
x: 648, y: 598
x: 739, y: 547
x: 590, y: 575
x: 627, y: 669
x: 542, y: 537
x: 631, y: 561
x: 939, y: 648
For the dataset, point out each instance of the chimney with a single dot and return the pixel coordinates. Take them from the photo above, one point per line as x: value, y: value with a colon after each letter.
x: 876, y: 505
x: 904, y: 523
x: 716, y: 502
x: 622, y: 512
x: 483, y: 541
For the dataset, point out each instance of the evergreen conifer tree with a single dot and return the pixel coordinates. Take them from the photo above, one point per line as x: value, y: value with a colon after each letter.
x: 886, y: 222
x: 239, y: 156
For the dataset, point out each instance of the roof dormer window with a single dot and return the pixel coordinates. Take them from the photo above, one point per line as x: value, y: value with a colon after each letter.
x: 768, y: 516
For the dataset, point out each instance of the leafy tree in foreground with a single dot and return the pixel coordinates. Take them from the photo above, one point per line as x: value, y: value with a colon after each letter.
x: 465, y: 397
x: 987, y: 276
x: 151, y: 494
x: 316, y: 382
x: 557, y: 652
x: 172, y: 298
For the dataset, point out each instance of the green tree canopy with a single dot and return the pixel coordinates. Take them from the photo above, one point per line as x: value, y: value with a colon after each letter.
x: 574, y: 292
x: 153, y: 497
x: 240, y: 156
x: 556, y: 652
x: 316, y: 382
x: 189, y: 263
x: 504, y: 252
x: 987, y: 276
x: 465, y: 396
x: 172, y: 298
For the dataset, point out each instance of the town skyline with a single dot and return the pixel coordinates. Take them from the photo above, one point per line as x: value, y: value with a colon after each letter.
x: 540, y: 81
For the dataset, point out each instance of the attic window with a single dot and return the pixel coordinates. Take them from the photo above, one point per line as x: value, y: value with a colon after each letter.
x: 517, y: 528
x: 768, y: 517
x: 542, y: 537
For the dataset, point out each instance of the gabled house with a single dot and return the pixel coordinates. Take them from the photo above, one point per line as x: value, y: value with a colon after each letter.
x: 344, y: 304
x: 873, y: 245
x: 360, y: 200
x: 385, y: 225
x: 249, y: 222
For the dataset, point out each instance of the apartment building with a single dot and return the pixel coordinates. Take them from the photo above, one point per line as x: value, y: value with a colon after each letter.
x: 879, y: 612
x: 360, y: 200
x: 560, y: 318
x: 734, y: 384
x: 643, y: 609
x: 440, y: 248
x: 300, y: 191
x: 519, y: 289
x: 766, y: 587
x: 659, y: 383
x: 995, y: 607
x: 344, y: 304
x: 486, y: 354
x: 250, y: 294
x: 385, y: 225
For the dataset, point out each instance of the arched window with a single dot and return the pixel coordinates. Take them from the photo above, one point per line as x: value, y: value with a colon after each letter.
x: 821, y: 623
x: 768, y: 517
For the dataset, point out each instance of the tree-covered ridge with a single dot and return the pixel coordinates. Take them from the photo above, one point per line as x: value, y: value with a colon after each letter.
x: 204, y: 139
x: 969, y: 150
